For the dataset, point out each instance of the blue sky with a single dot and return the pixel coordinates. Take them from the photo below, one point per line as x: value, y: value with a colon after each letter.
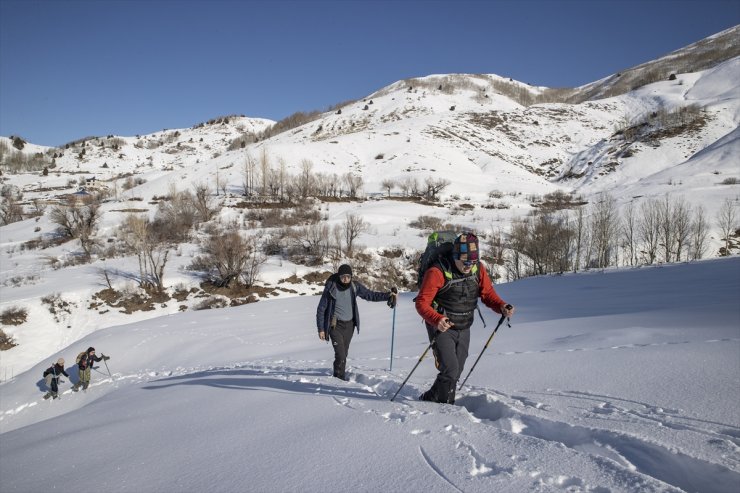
x: 71, y: 69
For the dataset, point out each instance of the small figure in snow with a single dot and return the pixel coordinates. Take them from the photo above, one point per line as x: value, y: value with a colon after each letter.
x: 52, y: 377
x: 337, y: 314
x: 447, y: 301
x: 85, y: 361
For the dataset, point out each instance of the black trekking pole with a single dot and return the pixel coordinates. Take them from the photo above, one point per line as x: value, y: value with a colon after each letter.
x: 414, y: 369
x: 485, y: 347
x: 106, y: 367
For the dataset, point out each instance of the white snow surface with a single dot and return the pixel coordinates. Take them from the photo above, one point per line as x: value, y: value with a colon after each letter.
x: 619, y: 380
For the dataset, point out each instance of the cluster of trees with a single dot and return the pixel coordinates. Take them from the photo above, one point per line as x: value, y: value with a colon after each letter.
x: 411, y: 187
x: 267, y: 179
x: 13, y: 159
x: 598, y: 236
x: 231, y: 256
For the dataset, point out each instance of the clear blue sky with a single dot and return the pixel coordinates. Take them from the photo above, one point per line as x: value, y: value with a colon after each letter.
x: 71, y: 69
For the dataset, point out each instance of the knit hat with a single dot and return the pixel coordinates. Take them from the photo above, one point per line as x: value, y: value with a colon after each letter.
x: 344, y: 269
x: 60, y: 361
x: 465, y: 248
x: 90, y: 349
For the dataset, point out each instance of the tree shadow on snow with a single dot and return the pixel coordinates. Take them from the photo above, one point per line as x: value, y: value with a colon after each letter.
x: 270, y: 381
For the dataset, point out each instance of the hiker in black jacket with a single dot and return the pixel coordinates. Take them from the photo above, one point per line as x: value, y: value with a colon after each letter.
x: 337, y: 314
x: 52, y: 376
x: 85, y: 361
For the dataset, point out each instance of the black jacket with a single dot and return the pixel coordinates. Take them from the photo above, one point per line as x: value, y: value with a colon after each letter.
x: 56, y: 370
x: 88, y: 359
x: 325, y: 310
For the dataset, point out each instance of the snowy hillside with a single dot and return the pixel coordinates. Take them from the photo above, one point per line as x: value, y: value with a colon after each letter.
x: 614, y: 381
x: 495, y: 143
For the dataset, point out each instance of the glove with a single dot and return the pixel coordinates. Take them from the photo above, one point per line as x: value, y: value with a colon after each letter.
x: 393, y: 297
x: 105, y: 358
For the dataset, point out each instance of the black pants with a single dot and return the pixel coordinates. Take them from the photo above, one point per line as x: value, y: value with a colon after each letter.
x: 341, y: 336
x: 450, y: 352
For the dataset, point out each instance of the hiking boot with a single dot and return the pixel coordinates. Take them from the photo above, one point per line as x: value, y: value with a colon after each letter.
x: 428, y: 396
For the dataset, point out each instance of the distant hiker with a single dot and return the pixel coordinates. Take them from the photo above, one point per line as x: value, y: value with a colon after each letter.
x: 447, y: 301
x: 85, y: 361
x: 52, y: 376
x: 337, y: 314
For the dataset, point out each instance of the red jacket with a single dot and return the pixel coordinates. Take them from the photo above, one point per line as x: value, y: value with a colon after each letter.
x: 434, y: 279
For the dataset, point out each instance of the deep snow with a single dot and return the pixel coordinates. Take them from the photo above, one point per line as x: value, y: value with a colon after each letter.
x: 621, y: 380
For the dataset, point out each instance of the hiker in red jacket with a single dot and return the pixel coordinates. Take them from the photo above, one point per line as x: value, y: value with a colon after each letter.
x: 447, y: 301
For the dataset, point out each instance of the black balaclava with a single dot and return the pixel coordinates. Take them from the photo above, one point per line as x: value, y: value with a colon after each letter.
x: 344, y: 269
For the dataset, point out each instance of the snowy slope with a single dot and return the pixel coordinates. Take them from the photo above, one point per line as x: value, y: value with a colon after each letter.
x: 460, y: 127
x: 617, y: 381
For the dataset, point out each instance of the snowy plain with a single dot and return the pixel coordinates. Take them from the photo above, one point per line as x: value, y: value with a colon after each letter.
x: 619, y: 380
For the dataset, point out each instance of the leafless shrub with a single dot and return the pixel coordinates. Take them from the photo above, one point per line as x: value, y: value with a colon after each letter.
x: 213, y: 302
x: 149, y: 241
x: 131, y: 182
x: 14, y: 315
x: 10, y: 210
x: 78, y: 219
x: 230, y: 258
x: 6, y: 342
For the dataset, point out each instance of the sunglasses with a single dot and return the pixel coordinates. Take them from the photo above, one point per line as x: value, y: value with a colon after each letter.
x: 470, y: 263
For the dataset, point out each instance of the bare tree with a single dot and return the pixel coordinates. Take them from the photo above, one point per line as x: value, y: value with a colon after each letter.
x: 699, y: 234
x: 178, y: 214
x: 579, y: 237
x: 248, y: 174
x: 353, y: 226
x: 78, y: 219
x: 203, y: 203
x: 264, y: 167
x: 315, y: 239
x: 727, y: 223
x: 629, y: 233
x: 305, y: 180
x: 682, y: 226
x: 10, y: 210
x: 666, y: 227
x: 147, y: 241
x: 434, y: 187
x: 219, y: 183
x: 335, y: 252
x: 282, y: 178
x: 227, y: 255
x: 255, y: 260
x: 354, y: 184
x: 388, y: 185
x: 648, y: 228
x: 604, y: 227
